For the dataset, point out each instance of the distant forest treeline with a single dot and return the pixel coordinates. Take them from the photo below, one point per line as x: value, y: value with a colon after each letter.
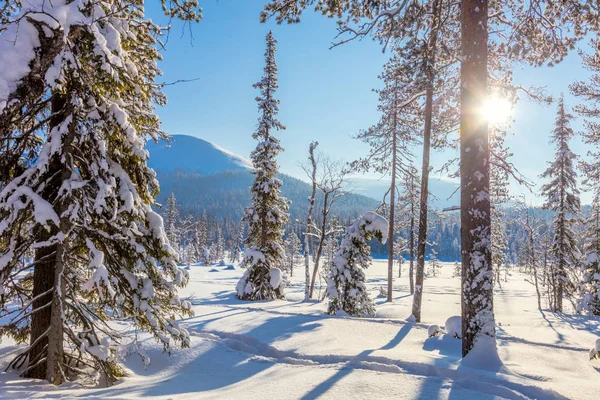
x: 222, y: 197
x: 225, y: 194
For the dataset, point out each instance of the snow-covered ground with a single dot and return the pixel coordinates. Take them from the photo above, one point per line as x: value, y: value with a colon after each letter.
x: 291, y: 349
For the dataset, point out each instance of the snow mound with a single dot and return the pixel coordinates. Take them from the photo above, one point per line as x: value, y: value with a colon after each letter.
x: 433, y: 330
x: 453, y: 326
x: 484, y: 355
x: 595, y: 351
x: 276, y: 277
x: 213, y: 270
x: 229, y: 268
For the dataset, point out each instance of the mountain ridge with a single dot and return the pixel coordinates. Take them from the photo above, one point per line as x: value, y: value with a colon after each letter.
x: 207, y: 178
x: 182, y: 152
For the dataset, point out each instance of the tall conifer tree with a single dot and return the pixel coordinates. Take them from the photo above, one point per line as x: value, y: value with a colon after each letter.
x: 562, y: 196
x: 268, y: 213
x: 101, y: 251
x: 589, y: 92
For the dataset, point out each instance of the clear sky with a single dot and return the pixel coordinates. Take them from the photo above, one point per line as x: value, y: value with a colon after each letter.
x: 326, y: 95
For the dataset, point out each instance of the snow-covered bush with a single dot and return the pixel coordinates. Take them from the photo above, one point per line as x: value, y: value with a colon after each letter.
x: 433, y: 330
x: 276, y: 278
x: 260, y: 282
x: 595, y: 351
x: 590, y: 301
x: 346, y: 288
x: 457, y: 270
x: 453, y: 326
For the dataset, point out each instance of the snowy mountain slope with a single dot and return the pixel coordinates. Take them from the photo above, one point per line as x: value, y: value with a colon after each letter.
x: 207, y: 177
x: 292, y: 349
x: 192, y: 154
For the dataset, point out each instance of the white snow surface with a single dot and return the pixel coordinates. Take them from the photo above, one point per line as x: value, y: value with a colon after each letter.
x: 291, y: 349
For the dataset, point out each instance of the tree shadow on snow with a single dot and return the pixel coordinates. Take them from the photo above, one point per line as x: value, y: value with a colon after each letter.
x: 234, y: 358
x: 451, y: 350
x: 560, y: 336
x: 322, y: 388
x: 580, y: 322
x: 223, y: 297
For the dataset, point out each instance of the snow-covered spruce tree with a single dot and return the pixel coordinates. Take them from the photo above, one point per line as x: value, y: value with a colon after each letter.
x: 562, y: 197
x: 591, y: 284
x: 346, y: 288
x: 434, y: 264
x: 209, y: 254
x: 291, y: 246
x: 499, y: 196
x: 172, y: 222
x: 331, y: 248
x: 590, y: 92
x: 268, y: 213
x: 400, y: 245
x: 590, y: 301
x: 236, y: 246
x: 190, y: 254
x: 219, y: 246
x: 202, y: 239
x: 101, y: 252
x: 456, y: 271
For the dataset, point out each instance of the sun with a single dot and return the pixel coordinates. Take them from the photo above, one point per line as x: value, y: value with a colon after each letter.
x: 496, y: 110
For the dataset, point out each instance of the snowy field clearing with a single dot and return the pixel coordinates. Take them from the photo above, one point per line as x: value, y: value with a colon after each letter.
x: 290, y: 349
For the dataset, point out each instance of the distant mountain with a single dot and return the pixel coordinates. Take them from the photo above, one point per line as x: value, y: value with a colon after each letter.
x: 205, y: 177
x: 192, y: 154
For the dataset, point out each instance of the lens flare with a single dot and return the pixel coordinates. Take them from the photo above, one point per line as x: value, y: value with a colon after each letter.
x: 496, y: 110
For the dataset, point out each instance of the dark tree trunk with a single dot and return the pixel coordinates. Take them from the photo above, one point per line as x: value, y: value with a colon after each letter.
x: 45, y: 263
x: 561, y: 262
x: 392, y: 212
x: 422, y: 235
x: 43, y: 281
x: 477, y: 275
x: 535, y: 275
x: 321, y: 242
x: 311, y: 204
x: 46, y: 337
x: 412, y: 242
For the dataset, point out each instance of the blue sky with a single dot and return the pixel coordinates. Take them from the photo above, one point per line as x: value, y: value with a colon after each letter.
x: 326, y: 95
